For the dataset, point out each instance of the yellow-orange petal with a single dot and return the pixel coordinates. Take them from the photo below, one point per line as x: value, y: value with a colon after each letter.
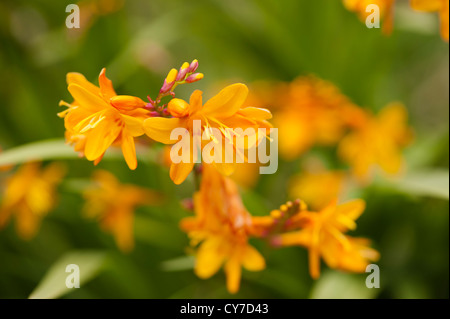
x: 227, y: 102
x: 134, y: 125
x: 179, y: 172
x: 86, y: 99
x: 159, y: 128
x: 426, y: 5
x: 78, y: 78
x: 256, y: 113
x: 252, y: 259
x: 233, y: 271
x: 195, y: 102
x: 209, y: 259
x: 100, y: 139
x: 352, y: 210
x: 129, y: 150
x: 444, y: 17
x: 106, y: 87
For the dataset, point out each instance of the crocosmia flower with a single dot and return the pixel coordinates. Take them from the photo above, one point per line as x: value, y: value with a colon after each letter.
x: 30, y: 195
x: 99, y: 118
x: 323, y: 234
x: 377, y: 142
x: 219, y: 114
x: 220, y: 229
x: 113, y: 204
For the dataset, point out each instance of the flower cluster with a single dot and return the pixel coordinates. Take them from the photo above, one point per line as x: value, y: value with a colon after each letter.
x: 311, y: 112
x: 308, y: 112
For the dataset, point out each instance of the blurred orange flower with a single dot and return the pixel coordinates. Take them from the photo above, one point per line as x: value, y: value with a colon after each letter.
x: 312, y: 111
x: 113, y: 204
x: 30, y: 195
x: 221, y: 112
x: 98, y: 118
x: 378, y: 142
x: 440, y: 6
x: 221, y: 229
x: 317, y: 188
x: 323, y: 234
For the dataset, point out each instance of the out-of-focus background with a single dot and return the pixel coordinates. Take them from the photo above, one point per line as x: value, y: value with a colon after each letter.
x: 248, y: 41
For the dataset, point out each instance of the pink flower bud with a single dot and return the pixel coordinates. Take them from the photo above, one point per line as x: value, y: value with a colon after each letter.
x: 194, y: 77
x: 193, y: 67
x: 167, y: 86
x: 183, y: 71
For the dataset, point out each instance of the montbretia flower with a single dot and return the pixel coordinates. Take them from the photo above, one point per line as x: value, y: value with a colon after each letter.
x: 440, y: 6
x: 311, y: 111
x: 99, y: 118
x: 221, y: 229
x: 30, y: 195
x: 317, y: 187
x: 377, y: 142
x: 220, y: 114
x: 113, y: 204
x: 323, y: 234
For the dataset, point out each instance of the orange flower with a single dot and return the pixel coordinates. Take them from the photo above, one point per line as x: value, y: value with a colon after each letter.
x: 223, y: 111
x: 98, y: 118
x: 313, y: 112
x: 317, y: 188
x: 114, y: 203
x: 323, y: 234
x: 377, y: 142
x: 221, y: 229
x: 440, y: 6
x: 30, y: 195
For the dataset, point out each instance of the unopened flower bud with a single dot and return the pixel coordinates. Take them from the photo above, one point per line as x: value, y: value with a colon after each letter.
x: 183, y: 71
x: 178, y: 108
x: 166, y: 87
x: 193, y: 67
x: 172, y: 75
x: 126, y: 102
x: 194, y: 77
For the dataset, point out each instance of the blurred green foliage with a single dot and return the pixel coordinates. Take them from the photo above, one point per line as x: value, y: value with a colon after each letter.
x: 234, y: 41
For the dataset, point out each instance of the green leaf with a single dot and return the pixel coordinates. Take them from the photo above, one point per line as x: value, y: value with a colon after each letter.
x: 338, y: 285
x: 37, y: 151
x: 53, y: 285
x: 56, y: 149
x: 434, y: 183
x: 178, y: 264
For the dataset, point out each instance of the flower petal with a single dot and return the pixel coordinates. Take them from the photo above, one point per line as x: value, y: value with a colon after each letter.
x: 179, y: 172
x: 256, y: 113
x: 78, y: 78
x: 253, y: 260
x: 106, y: 87
x: 129, y: 150
x: 100, y: 138
x: 209, y: 258
x: 86, y: 99
x: 227, y: 102
x: 233, y: 271
x: 159, y: 128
